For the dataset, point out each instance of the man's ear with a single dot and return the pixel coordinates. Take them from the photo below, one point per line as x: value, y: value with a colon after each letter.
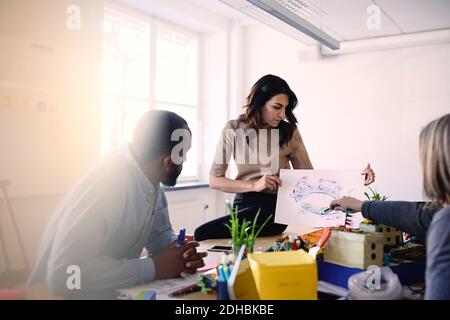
x: 167, y: 163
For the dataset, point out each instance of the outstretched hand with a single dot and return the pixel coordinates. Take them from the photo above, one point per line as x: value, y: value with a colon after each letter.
x: 346, y: 203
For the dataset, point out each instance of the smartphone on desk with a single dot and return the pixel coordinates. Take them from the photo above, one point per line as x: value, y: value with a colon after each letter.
x: 226, y: 249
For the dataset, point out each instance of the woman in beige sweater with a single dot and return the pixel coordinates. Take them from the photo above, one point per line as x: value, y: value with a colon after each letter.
x: 263, y: 140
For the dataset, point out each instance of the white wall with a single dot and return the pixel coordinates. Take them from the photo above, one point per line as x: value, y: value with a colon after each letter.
x: 43, y: 61
x: 31, y: 214
x: 359, y: 108
x: 222, y: 97
x: 40, y: 54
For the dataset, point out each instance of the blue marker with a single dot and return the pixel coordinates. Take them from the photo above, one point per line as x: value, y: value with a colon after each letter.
x: 222, y: 274
x: 226, y: 272
x: 181, y: 236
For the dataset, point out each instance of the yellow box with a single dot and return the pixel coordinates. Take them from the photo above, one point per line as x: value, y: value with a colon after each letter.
x: 285, y: 275
x: 243, y: 286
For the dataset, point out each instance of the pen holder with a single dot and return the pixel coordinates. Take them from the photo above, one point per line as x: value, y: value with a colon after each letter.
x: 222, y: 290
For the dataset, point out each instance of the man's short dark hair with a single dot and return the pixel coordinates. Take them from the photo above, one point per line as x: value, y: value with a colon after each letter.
x: 153, y: 132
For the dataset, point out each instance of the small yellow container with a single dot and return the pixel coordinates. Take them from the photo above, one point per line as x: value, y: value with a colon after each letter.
x: 285, y: 275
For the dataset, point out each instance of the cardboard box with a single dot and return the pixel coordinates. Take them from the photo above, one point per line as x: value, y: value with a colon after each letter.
x: 354, y: 249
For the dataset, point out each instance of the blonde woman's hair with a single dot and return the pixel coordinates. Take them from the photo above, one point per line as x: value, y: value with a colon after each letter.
x: 435, y: 158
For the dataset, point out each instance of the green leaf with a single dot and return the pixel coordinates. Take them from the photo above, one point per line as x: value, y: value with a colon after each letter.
x: 263, y: 225
x: 254, y: 222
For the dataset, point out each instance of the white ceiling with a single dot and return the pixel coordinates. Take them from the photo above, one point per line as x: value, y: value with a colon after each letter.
x: 346, y: 19
x: 219, y: 8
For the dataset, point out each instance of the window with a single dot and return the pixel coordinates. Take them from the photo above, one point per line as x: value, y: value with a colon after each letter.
x: 147, y: 65
x: 126, y: 76
x: 176, y: 83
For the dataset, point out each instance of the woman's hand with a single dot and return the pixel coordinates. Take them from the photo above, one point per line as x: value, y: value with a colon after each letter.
x: 346, y: 203
x: 266, y: 183
x: 370, y: 175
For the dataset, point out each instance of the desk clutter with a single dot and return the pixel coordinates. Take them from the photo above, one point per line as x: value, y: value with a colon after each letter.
x: 267, y: 275
x: 342, y: 256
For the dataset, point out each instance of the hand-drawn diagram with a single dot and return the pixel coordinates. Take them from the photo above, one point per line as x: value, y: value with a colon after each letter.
x: 315, y: 198
x: 305, y: 195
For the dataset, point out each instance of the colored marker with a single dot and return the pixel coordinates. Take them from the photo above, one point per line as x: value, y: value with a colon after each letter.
x: 222, y: 274
x: 227, y: 272
x: 183, y: 291
x: 180, y: 240
x: 219, y: 275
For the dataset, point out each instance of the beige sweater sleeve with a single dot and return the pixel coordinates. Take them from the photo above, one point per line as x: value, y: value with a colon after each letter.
x: 299, y: 156
x: 224, y: 149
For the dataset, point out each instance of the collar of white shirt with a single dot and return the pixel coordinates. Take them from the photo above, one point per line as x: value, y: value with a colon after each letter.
x: 147, y: 186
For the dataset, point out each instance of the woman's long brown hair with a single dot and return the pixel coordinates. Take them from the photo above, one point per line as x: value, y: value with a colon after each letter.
x: 262, y: 91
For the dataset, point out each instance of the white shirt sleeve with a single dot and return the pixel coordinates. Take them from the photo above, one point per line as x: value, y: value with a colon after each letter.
x: 162, y: 234
x: 84, y: 239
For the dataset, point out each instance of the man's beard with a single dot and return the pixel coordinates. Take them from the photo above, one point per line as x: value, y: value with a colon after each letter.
x: 171, y: 179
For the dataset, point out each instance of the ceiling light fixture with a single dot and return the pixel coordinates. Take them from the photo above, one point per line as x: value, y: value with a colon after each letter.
x: 287, y: 16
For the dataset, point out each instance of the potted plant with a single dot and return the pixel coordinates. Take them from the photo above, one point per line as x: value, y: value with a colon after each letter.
x: 245, y: 232
x: 375, y: 196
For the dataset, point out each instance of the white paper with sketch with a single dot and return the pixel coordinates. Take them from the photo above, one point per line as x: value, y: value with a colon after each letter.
x: 306, y: 194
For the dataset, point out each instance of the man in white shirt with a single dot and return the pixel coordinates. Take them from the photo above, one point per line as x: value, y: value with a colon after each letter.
x: 117, y: 209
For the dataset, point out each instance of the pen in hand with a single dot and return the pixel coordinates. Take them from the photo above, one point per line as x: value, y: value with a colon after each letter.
x: 181, y: 236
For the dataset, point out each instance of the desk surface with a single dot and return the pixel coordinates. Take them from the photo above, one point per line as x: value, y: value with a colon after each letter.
x: 261, y: 244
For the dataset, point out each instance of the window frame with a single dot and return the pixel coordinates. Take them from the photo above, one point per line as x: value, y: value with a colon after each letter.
x: 154, y: 22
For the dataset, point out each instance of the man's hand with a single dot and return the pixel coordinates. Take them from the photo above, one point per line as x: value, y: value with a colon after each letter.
x: 346, y: 203
x: 173, y: 261
x: 193, y: 259
x: 369, y: 175
x: 266, y: 183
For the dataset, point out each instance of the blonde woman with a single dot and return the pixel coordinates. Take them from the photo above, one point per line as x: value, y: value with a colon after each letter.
x: 434, y: 224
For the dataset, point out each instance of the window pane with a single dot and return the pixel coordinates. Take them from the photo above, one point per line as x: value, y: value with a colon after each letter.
x: 176, y: 67
x: 112, y: 64
x: 190, y: 168
x: 119, y: 118
x: 126, y: 55
x: 135, y: 45
x: 126, y: 76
